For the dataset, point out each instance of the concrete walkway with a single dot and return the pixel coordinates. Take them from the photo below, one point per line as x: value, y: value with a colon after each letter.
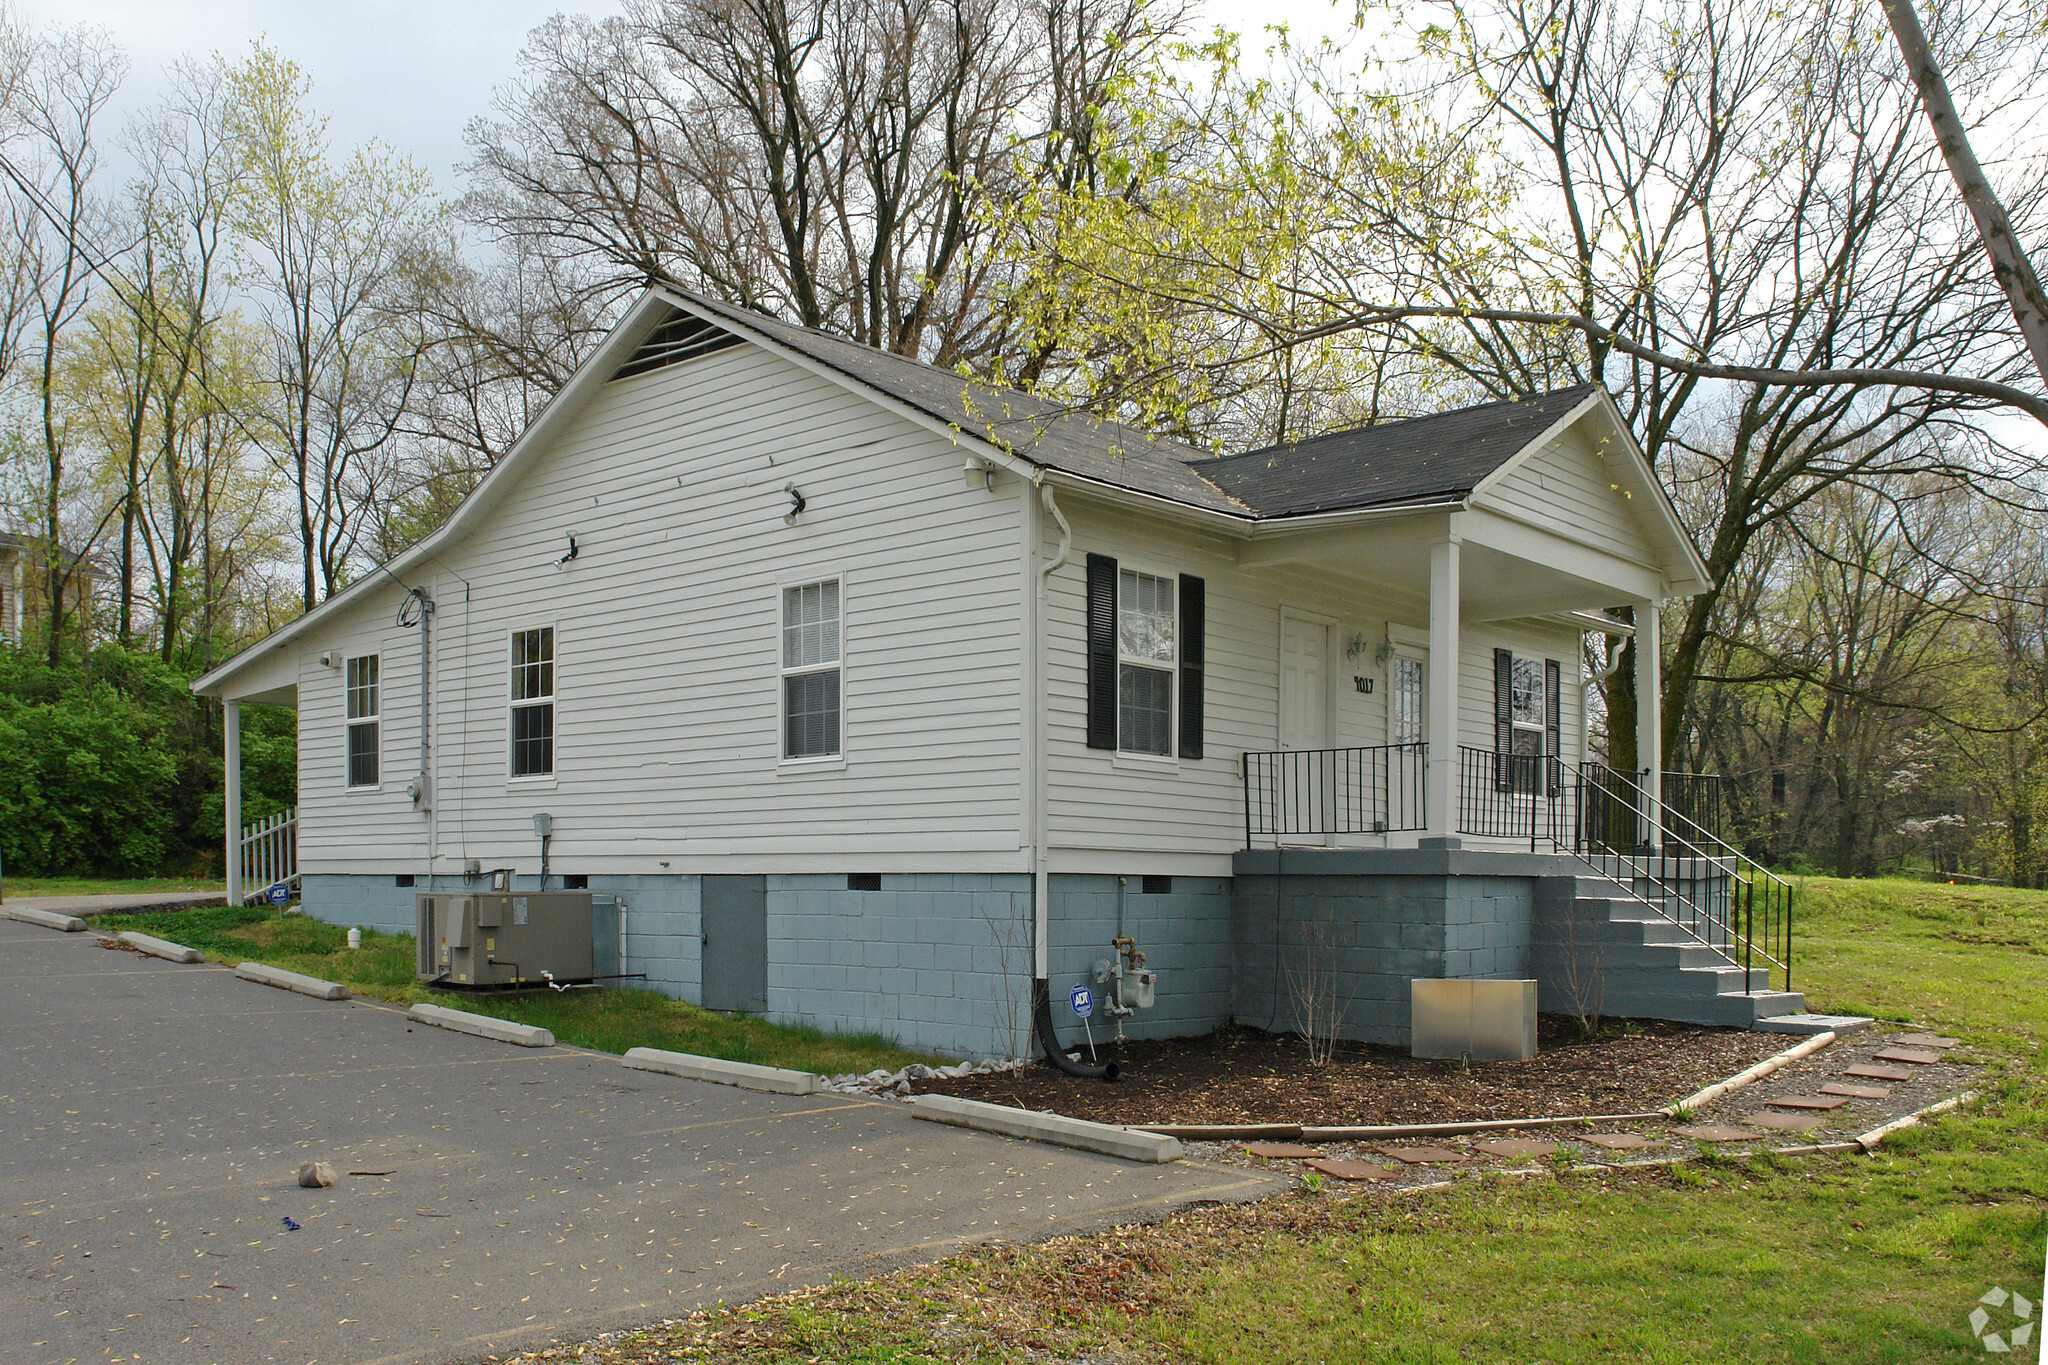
x: 93, y: 905
x: 153, y: 1116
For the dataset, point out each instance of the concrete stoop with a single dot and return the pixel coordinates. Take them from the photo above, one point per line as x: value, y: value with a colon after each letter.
x: 1595, y: 948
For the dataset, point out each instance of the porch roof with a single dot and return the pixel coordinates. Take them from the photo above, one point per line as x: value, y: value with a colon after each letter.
x: 1442, y: 456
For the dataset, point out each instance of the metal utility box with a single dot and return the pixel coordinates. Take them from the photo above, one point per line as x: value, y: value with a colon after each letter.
x: 1488, y: 1021
x: 505, y: 938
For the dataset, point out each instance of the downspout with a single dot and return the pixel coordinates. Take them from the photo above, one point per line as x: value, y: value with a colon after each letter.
x: 1034, y: 759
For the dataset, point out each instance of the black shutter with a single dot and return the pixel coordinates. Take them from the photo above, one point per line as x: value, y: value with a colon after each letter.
x: 1101, y: 652
x: 1192, y: 610
x: 1553, y: 723
x: 1503, y: 719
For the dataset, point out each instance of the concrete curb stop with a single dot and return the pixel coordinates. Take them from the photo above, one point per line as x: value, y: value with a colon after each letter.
x: 747, y: 1076
x: 291, y: 981
x: 482, y: 1025
x: 1127, y: 1143
x: 158, y: 947
x: 49, y: 919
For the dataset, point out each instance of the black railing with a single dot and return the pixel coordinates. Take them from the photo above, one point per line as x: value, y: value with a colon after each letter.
x: 1719, y: 894
x: 1692, y: 801
x: 1508, y: 796
x: 1682, y: 867
x: 1296, y: 793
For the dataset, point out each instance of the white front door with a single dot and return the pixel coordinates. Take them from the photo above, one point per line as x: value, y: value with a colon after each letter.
x: 1306, y: 805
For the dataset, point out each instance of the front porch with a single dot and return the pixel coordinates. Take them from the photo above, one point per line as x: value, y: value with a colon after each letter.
x: 1614, y: 899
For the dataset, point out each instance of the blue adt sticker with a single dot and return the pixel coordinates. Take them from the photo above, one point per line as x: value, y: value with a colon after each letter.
x: 279, y: 894
x: 1083, y: 1001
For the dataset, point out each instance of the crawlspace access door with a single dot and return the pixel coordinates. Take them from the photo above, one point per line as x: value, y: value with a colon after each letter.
x: 736, y: 943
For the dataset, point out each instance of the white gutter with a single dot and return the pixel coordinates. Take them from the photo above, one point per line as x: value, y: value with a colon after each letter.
x: 1597, y: 621
x: 1240, y: 523
x: 1036, y: 705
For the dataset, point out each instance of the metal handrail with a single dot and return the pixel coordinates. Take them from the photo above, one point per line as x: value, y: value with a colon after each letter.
x: 1725, y: 900
x: 1755, y: 892
x: 1369, y: 790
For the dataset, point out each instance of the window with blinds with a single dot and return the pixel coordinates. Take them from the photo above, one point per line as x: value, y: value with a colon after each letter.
x: 810, y: 670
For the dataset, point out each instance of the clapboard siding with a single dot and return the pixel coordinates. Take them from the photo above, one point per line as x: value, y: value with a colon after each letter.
x: 1527, y: 640
x: 335, y: 820
x: 1566, y: 487
x: 1096, y: 802
x: 667, y: 643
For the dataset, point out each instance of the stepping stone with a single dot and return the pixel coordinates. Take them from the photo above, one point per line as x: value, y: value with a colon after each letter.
x: 1808, y: 1102
x: 1786, y: 1123
x: 1283, y: 1151
x: 1907, y: 1054
x: 1924, y: 1040
x: 1714, y: 1132
x: 1856, y: 1092
x: 1879, y: 1073
x: 1838, y: 1024
x: 1621, y: 1142
x: 1350, y: 1170
x: 1416, y: 1156
x: 1516, y: 1148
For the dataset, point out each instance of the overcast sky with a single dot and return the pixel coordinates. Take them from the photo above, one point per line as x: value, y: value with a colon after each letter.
x: 414, y: 74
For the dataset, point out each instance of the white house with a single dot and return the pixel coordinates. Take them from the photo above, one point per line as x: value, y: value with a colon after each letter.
x: 882, y: 698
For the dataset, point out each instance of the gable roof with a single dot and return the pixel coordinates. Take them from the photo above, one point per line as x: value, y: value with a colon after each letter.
x: 1436, y: 458
x: 1049, y: 434
x: 1423, y: 461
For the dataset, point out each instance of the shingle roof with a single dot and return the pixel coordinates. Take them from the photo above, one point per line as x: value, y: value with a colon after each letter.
x: 1044, y: 432
x: 1419, y: 459
x: 1439, y: 457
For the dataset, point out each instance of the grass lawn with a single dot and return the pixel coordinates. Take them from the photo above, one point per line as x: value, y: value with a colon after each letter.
x: 25, y: 887
x: 606, y: 1020
x: 1862, y: 1259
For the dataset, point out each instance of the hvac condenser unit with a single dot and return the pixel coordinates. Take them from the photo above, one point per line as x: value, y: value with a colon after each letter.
x: 501, y: 939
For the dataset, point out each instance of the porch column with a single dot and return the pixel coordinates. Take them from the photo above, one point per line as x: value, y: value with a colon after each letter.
x: 231, y: 812
x: 1650, y: 717
x: 1440, y: 711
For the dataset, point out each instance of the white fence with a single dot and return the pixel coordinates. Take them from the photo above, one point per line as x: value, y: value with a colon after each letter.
x: 270, y: 854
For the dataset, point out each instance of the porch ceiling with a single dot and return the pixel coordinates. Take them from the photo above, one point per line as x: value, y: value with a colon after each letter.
x: 1506, y: 571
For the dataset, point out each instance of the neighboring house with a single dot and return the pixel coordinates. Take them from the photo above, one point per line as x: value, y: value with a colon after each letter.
x: 880, y: 696
x: 24, y: 586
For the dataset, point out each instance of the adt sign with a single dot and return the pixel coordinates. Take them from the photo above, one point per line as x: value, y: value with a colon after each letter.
x: 1083, y: 1001
x: 279, y: 894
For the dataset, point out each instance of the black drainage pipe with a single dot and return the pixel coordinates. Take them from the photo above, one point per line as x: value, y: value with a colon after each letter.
x: 1055, y: 1055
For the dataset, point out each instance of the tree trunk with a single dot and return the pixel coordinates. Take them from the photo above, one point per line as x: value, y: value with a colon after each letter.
x: 2009, y: 263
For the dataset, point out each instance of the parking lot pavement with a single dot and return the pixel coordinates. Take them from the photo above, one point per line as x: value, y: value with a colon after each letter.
x: 153, y: 1118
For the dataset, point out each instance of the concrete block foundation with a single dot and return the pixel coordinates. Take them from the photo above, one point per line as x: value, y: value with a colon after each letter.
x: 941, y: 962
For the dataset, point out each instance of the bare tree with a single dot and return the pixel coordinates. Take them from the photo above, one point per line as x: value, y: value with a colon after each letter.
x: 836, y: 164
x: 2009, y: 264
x: 329, y: 245
x: 65, y: 79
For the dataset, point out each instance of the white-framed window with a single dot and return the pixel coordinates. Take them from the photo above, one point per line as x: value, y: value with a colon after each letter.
x: 532, y: 728
x: 1147, y: 660
x: 1526, y: 709
x: 811, y: 709
x: 1404, y: 701
x: 360, y: 688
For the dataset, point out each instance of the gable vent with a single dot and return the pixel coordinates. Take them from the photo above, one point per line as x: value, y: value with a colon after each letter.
x: 683, y: 337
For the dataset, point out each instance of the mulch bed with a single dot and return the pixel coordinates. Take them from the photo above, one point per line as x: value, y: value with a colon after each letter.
x: 1243, y: 1075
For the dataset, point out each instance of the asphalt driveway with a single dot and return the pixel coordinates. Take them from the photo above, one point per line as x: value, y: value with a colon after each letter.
x: 153, y: 1118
